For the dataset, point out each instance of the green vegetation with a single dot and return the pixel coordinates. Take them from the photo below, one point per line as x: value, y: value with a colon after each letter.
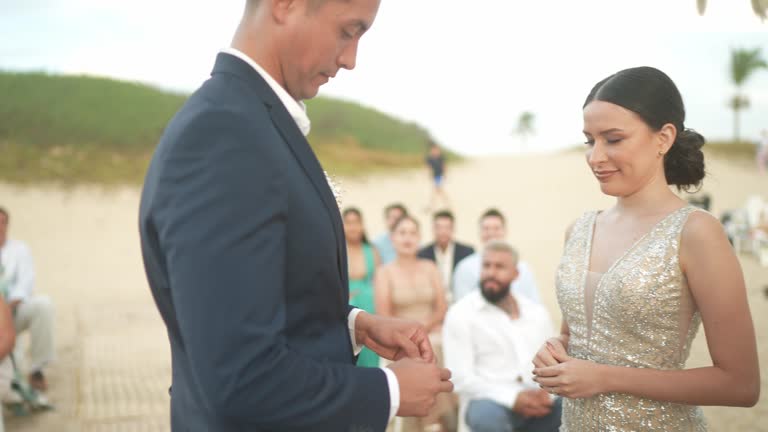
x: 77, y: 129
x: 744, y: 63
x: 759, y: 7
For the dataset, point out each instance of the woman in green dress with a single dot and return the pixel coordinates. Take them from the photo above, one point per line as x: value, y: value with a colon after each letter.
x: 363, y: 260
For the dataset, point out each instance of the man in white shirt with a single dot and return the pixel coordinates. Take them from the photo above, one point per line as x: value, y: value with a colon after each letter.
x: 30, y: 313
x: 466, y: 277
x: 490, y: 338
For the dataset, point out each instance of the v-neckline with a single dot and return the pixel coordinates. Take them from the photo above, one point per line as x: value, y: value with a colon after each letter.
x: 622, y: 257
x: 626, y: 252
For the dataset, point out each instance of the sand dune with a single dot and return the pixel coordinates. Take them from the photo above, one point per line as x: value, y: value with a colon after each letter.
x: 114, y: 368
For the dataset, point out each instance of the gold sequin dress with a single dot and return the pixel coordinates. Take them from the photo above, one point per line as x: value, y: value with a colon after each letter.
x: 638, y: 314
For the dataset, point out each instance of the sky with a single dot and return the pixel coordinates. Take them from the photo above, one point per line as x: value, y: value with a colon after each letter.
x: 464, y: 70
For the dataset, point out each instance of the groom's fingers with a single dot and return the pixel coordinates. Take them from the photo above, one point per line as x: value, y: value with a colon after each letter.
x: 445, y: 374
x: 446, y: 387
x: 407, y: 345
x: 425, y: 348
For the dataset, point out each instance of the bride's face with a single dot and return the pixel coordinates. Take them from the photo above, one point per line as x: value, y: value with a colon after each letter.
x: 622, y: 150
x: 406, y: 237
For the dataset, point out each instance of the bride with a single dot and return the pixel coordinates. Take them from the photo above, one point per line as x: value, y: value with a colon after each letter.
x: 636, y: 280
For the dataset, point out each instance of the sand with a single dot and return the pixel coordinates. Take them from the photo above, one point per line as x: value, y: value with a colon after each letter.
x: 113, y: 366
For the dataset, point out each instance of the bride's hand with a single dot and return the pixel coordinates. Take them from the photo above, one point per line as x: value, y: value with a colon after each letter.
x: 545, y: 357
x: 571, y: 378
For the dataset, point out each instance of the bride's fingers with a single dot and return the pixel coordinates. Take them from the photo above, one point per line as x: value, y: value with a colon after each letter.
x: 547, y: 382
x: 557, y: 351
x: 544, y: 358
x: 547, y: 372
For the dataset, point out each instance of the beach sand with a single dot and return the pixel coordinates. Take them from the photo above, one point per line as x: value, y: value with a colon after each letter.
x: 113, y: 367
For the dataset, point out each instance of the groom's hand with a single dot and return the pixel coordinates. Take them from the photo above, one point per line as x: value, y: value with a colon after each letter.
x: 393, y: 338
x: 420, y: 382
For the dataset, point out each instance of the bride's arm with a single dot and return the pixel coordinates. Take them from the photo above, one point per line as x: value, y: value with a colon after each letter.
x: 717, y: 284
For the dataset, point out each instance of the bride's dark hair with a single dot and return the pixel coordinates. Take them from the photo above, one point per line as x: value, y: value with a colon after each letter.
x: 652, y: 95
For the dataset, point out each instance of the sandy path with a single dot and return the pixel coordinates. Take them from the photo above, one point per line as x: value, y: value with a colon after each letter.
x: 113, y: 368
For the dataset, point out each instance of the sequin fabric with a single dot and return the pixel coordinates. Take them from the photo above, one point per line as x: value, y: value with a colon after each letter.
x: 636, y: 322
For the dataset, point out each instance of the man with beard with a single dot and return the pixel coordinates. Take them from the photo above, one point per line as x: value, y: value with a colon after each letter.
x: 490, y: 337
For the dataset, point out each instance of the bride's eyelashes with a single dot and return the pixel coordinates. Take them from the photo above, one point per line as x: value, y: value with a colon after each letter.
x: 610, y: 141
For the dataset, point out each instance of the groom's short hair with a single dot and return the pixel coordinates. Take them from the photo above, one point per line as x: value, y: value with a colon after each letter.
x: 313, y: 4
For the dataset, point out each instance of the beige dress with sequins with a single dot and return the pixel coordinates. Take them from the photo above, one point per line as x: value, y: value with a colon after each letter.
x: 638, y: 314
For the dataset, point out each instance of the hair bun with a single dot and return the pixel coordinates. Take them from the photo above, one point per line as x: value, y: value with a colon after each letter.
x: 684, y: 163
x: 690, y: 138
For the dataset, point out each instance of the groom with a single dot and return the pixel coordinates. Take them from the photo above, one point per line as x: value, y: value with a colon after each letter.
x: 244, y: 248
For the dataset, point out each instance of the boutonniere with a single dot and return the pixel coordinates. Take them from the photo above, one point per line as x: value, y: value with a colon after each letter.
x: 335, y: 188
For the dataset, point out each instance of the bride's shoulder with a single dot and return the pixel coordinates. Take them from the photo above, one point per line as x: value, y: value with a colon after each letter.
x: 701, y: 223
x: 702, y: 231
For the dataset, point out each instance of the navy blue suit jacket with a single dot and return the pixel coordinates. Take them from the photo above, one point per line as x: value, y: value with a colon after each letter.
x: 244, y: 251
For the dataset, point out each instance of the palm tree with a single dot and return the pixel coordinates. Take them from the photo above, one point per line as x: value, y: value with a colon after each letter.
x: 759, y: 6
x: 525, y: 125
x: 744, y: 62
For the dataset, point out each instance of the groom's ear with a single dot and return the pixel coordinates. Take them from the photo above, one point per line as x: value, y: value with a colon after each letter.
x: 283, y: 9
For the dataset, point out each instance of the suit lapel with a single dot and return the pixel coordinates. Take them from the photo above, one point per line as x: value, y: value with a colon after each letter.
x: 308, y: 161
x: 300, y: 148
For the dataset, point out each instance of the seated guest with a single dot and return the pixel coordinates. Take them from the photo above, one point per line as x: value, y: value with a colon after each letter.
x: 7, y: 339
x: 489, y: 340
x: 445, y: 251
x: 466, y: 277
x: 383, y: 243
x: 411, y: 287
x: 30, y: 313
x: 362, y: 261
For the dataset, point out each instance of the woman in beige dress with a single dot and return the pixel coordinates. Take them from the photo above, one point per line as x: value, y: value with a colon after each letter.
x: 411, y: 287
x: 636, y: 280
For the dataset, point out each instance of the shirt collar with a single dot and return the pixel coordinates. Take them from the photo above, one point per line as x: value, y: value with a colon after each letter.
x: 295, y: 108
x: 448, y: 249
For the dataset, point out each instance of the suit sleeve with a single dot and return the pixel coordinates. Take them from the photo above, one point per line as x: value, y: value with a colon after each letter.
x: 222, y: 226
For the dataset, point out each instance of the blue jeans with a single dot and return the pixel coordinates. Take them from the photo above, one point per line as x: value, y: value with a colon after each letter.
x: 484, y: 415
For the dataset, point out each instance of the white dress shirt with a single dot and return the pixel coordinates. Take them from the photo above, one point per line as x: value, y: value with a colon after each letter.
x: 298, y: 112
x: 466, y: 279
x: 18, y: 273
x: 444, y: 261
x: 489, y: 354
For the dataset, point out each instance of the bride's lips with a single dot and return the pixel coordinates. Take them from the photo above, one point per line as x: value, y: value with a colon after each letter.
x: 604, y: 174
